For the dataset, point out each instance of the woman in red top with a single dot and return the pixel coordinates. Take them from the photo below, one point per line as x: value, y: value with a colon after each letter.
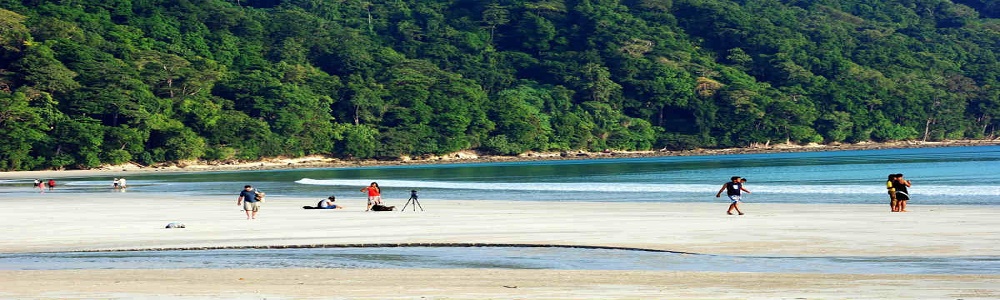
x: 374, y: 195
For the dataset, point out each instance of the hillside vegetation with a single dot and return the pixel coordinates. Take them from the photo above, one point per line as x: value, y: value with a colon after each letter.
x: 85, y: 83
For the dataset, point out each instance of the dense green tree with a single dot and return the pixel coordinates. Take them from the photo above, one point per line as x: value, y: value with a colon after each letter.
x: 85, y: 83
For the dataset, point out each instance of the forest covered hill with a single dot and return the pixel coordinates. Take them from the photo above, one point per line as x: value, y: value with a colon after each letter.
x: 85, y: 83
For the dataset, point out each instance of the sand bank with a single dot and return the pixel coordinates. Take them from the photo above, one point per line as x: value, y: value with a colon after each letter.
x: 106, y: 221
x: 70, y: 222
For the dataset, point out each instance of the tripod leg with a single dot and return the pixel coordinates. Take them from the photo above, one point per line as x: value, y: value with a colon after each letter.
x: 417, y: 203
x: 407, y: 203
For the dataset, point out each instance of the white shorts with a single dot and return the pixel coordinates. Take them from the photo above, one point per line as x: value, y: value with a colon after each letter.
x: 734, y: 198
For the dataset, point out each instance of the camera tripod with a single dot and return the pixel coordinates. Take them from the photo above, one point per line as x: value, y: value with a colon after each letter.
x: 413, y: 199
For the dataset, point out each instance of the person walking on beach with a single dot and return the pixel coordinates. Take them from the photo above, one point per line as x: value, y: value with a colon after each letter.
x: 902, y: 193
x: 890, y: 185
x: 374, y: 195
x: 248, y: 199
x: 40, y: 185
x: 734, y: 189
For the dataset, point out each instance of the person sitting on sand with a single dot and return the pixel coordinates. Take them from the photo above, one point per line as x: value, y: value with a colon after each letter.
x: 328, y: 203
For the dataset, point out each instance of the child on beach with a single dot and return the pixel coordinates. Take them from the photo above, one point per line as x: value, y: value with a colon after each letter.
x: 734, y: 189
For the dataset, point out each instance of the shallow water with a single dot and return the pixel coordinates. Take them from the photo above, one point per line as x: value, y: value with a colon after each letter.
x: 555, y: 258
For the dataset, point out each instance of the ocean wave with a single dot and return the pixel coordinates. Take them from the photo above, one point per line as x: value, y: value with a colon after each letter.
x: 654, y: 187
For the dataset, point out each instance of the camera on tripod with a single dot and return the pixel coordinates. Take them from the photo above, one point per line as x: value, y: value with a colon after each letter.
x: 413, y: 199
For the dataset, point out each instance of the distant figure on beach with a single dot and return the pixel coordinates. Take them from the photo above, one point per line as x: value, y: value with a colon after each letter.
x: 328, y: 203
x: 374, y: 195
x: 114, y: 183
x: 734, y: 189
x: 248, y: 199
x: 121, y: 183
x: 890, y: 185
x: 52, y: 184
x: 902, y: 193
x: 40, y: 185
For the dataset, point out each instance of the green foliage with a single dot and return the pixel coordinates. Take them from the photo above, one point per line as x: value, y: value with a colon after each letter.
x: 85, y: 83
x: 501, y: 145
x: 356, y: 141
x: 219, y: 153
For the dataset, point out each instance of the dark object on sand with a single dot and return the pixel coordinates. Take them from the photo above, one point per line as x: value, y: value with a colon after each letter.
x: 380, y: 207
x: 176, y: 225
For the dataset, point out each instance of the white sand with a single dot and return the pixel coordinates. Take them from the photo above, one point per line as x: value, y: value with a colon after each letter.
x: 67, y: 222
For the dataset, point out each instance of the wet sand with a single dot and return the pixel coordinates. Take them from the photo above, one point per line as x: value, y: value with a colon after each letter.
x: 116, y: 221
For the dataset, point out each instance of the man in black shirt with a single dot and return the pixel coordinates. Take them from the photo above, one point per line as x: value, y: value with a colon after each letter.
x: 248, y: 198
x: 734, y: 189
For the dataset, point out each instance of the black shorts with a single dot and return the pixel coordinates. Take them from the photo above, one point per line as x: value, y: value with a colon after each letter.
x: 901, y: 196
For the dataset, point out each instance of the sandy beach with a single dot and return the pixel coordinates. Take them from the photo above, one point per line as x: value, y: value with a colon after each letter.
x: 115, y: 221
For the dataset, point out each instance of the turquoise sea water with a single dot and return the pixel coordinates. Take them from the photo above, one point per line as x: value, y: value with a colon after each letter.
x: 947, y: 175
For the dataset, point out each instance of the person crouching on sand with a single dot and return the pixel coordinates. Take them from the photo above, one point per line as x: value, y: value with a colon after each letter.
x: 734, y: 189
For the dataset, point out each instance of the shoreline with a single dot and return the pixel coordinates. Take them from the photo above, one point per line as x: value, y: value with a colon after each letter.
x: 318, y: 161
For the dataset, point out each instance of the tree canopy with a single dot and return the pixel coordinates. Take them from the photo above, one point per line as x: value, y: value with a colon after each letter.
x: 85, y: 83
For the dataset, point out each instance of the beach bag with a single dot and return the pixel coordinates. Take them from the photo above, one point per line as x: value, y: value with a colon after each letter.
x: 380, y: 207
